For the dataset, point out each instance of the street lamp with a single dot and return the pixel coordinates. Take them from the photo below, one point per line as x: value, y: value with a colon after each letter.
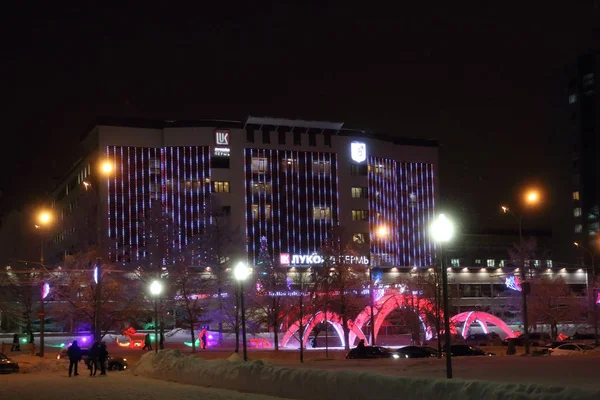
x: 241, y: 272
x: 442, y: 230
x: 594, y: 300
x: 44, y: 219
x: 531, y: 197
x: 106, y: 167
x: 156, y: 288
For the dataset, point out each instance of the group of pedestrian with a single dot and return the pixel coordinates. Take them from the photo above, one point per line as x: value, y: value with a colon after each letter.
x: 97, y: 357
x: 16, y: 346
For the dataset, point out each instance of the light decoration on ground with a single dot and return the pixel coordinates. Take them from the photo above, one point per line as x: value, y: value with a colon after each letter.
x: 513, y: 282
x: 598, y: 299
x: 483, y: 319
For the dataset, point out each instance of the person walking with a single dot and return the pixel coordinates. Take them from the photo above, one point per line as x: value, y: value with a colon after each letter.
x: 74, y: 353
x: 203, y: 338
x: 15, y: 343
x: 93, y: 358
x: 147, y: 342
x: 102, y: 357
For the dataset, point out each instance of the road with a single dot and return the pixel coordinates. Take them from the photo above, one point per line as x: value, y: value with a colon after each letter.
x: 118, y: 385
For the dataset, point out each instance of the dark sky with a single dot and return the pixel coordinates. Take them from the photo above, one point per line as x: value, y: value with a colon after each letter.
x: 476, y: 77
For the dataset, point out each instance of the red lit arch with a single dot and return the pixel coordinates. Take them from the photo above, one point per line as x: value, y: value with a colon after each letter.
x: 309, y: 322
x: 465, y: 319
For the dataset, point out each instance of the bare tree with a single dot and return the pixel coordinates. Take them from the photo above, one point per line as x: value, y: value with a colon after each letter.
x: 17, y: 289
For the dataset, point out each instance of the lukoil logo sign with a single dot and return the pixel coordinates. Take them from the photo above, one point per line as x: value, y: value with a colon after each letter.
x: 358, y: 151
x: 222, y: 137
x: 316, y: 259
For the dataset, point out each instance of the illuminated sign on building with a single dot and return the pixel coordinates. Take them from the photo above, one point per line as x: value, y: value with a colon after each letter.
x: 358, y: 151
x: 222, y: 137
x: 316, y: 259
x: 221, y: 152
x: 512, y: 282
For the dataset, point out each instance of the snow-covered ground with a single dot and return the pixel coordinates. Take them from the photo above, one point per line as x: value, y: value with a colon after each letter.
x: 310, y: 383
x: 118, y: 385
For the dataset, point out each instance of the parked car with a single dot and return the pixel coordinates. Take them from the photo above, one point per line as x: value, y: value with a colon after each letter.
x: 570, y: 349
x: 7, y: 365
x: 417, y: 352
x: 465, y: 350
x: 114, y: 363
x: 585, y: 338
x: 371, y: 352
x: 483, y: 339
x: 536, y: 339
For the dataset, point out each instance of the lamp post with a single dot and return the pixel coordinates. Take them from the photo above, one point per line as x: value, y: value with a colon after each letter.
x: 44, y: 219
x: 594, y: 300
x: 156, y: 288
x: 531, y: 197
x: 241, y: 272
x: 105, y: 169
x: 443, y: 230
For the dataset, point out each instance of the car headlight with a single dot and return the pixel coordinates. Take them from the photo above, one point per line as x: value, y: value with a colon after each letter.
x: 395, y: 356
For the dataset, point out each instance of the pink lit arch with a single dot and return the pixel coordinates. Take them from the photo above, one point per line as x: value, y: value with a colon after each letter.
x: 312, y: 320
x: 482, y: 318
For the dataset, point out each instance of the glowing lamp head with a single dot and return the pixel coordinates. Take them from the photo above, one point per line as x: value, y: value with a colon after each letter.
x: 156, y: 288
x: 576, y: 244
x: 45, y: 218
x: 442, y: 229
x: 106, y: 167
x: 532, y: 197
x: 241, y: 271
x: 505, y: 209
x: 382, y: 231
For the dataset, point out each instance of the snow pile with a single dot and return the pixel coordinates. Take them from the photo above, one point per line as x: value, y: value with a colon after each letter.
x: 256, y: 377
x: 28, y: 363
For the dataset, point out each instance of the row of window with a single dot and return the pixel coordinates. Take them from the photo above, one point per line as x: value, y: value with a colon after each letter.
x: 260, y: 165
x: 281, y: 138
x: 490, y: 262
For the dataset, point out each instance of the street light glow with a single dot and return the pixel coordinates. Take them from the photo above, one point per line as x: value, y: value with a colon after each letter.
x: 576, y: 244
x: 532, y: 196
x: 505, y: 209
x: 45, y: 218
x: 156, y: 288
x: 382, y: 231
x: 442, y: 229
x: 241, y: 271
x: 106, y: 167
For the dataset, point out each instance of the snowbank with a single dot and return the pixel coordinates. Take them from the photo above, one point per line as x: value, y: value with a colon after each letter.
x: 28, y: 363
x: 256, y: 377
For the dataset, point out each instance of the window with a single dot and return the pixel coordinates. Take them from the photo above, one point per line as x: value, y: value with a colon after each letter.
x: 360, y: 193
x: 577, y: 212
x: 256, y: 211
x: 321, y: 212
x: 537, y: 263
x: 578, y: 228
x: 360, y: 215
x: 289, y: 163
x: 327, y: 140
x: 219, y: 162
x: 491, y: 262
x: 478, y: 262
x: 572, y: 98
x: 281, y: 137
x: 260, y: 187
x: 220, y: 187
x: 549, y: 263
x: 312, y: 139
x: 501, y: 263
x: 226, y: 210
x: 259, y: 165
x: 576, y: 195
x: 249, y: 135
x: 359, y: 169
x: 455, y: 262
x: 297, y: 139
x: 360, y: 238
x: 377, y: 169
x: 322, y: 167
x: 266, y: 137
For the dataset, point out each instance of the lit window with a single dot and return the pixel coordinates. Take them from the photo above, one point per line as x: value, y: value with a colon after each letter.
x: 220, y: 187
x: 322, y: 167
x: 537, y: 263
x: 477, y: 262
x: 572, y: 98
x: 377, y: 168
x: 256, y: 211
x: 289, y: 163
x: 455, y: 262
x: 360, y: 215
x: 360, y: 238
x: 577, y: 212
x: 322, y: 213
x: 359, y: 192
x: 501, y: 263
x: 491, y: 262
x: 549, y: 263
x: 260, y: 187
x: 259, y: 165
x: 578, y: 228
x: 576, y: 195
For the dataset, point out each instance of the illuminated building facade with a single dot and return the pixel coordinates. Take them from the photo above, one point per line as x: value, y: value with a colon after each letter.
x: 288, y: 181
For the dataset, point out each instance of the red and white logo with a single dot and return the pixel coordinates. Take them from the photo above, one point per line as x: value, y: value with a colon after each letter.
x: 222, y: 138
x: 284, y: 259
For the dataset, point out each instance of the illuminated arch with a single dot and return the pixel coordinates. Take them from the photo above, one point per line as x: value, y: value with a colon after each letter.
x: 310, y: 321
x: 386, y: 304
x: 482, y: 318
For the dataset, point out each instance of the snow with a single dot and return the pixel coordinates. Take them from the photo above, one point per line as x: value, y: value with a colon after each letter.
x: 117, y: 385
x: 302, y: 383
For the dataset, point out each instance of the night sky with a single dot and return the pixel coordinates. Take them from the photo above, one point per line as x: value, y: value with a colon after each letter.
x: 478, y: 78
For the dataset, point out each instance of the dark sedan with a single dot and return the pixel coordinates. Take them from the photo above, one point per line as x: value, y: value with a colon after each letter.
x: 370, y: 352
x: 464, y: 350
x: 417, y: 352
x: 8, y: 366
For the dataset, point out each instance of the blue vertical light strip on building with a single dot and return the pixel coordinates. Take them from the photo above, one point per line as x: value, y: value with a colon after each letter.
x: 196, y: 193
x: 273, y: 164
x: 307, y: 190
x: 299, y: 213
x: 143, y: 214
x: 122, y: 178
x: 397, y: 220
x: 280, y: 230
x: 206, y: 183
x: 262, y: 200
x: 129, y: 197
x: 317, y: 200
x: 337, y: 189
x: 403, y: 220
x: 137, y: 211
x: 417, y: 207
x: 181, y: 166
x: 180, y: 210
x: 246, y: 196
x: 284, y: 166
x: 431, y: 214
x: 108, y: 196
x: 412, y: 215
x: 164, y: 176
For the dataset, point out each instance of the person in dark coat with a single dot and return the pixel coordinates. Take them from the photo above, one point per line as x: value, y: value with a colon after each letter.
x: 93, y: 358
x: 102, y: 357
x: 203, y: 338
x: 74, y: 353
x: 361, y: 346
x: 162, y: 341
x: 15, y: 343
x: 147, y: 342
